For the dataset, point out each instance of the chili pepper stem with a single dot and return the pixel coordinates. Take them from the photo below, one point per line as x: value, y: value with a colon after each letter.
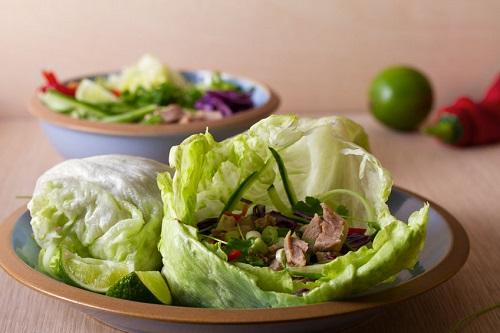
x: 441, y: 130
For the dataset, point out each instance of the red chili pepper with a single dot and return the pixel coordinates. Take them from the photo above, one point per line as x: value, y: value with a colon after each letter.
x: 53, y: 83
x: 356, y: 231
x: 466, y: 123
x: 233, y: 255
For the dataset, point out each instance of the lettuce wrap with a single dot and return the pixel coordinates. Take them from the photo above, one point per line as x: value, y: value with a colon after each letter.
x: 325, y: 158
x: 104, y: 212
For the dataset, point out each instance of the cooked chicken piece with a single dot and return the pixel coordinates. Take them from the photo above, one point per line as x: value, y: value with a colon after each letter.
x: 295, y: 250
x: 275, y: 265
x: 333, y: 231
x: 171, y: 113
x: 312, y: 230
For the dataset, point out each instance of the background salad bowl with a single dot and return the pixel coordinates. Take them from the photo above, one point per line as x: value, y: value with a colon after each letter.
x: 446, y: 250
x: 75, y: 138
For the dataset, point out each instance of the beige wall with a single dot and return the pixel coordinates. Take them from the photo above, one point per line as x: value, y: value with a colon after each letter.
x: 319, y: 55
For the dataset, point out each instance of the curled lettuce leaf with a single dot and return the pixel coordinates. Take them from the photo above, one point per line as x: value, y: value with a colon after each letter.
x: 149, y: 72
x: 321, y: 156
x: 103, y: 207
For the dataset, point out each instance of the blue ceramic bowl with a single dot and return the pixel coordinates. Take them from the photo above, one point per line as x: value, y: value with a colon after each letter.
x: 76, y: 138
x: 444, y: 253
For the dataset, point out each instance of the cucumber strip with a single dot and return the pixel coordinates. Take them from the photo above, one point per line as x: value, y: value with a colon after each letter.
x: 370, y: 211
x: 70, y: 101
x: 277, y: 202
x: 130, y: 116
x: 238, y: 193
x: 290, y: 193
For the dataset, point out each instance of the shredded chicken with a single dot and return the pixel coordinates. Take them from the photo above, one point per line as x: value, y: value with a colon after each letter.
x: 326, y: 234
x: 333, y: 231
x: 312, y: 230
x: 275, y: 265
x: 171, y: 113
x: 295, y: 250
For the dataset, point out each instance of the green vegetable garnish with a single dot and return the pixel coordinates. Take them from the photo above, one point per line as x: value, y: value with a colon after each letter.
x: 290, y: 193
x: 270, y: 235
x: 238, y: 193
x: 309, y: 206
x: 276, y: 200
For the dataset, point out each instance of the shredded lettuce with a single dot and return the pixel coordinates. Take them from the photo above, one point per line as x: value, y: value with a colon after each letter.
x: 322, y: 156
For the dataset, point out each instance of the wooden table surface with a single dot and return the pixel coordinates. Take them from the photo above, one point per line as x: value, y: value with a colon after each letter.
x: 466, y: 182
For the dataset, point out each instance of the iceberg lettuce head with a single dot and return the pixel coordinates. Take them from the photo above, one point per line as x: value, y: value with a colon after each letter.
x: 102, y: 210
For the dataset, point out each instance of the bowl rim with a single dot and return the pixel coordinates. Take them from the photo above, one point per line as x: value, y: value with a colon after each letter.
x: 449, y: 266
x: 43, y: 113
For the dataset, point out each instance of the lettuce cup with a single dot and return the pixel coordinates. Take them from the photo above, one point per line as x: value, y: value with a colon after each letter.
x: 291, y: 212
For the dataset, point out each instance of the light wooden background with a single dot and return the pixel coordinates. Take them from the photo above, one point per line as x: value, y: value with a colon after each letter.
x: 319, y: 55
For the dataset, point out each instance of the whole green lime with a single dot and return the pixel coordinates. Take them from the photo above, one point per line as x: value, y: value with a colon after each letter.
x: 401, y: 97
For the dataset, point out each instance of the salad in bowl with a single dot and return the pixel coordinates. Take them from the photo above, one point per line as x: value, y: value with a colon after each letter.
x: 148, y: 92
x: 291, y: 212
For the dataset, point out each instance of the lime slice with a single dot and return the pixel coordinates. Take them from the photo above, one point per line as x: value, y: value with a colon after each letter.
x: 149, y: 287
x: 88, y: 273
x: 93, y: 93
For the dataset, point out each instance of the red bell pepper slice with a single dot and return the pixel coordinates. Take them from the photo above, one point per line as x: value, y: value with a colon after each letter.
x: 53, y: 83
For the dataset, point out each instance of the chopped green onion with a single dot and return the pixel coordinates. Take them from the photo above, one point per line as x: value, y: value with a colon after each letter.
x: 270, y: 234
x: 258, y: 246
x: 253, y: 234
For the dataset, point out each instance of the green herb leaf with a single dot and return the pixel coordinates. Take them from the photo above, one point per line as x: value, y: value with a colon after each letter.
x: 309, y: 207
x: 242, y: 245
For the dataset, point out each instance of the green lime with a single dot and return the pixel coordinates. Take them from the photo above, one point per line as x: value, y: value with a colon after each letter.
x: 93, y: 93
x: 149, y: 287
x: 401, y: 97
x: 88, y: 273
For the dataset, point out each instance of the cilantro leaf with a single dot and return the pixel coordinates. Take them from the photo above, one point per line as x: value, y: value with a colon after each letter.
x: 308, y: 207
x: 239, y: 244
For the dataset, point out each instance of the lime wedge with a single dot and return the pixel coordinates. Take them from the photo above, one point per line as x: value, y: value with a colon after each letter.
x: 88, y: 273
x: 93, y: 93
x: 149, y: 287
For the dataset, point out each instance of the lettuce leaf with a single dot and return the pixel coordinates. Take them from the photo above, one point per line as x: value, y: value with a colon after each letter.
x: 326, y: 158
x: 148, y: 73
x: 103, y: 207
